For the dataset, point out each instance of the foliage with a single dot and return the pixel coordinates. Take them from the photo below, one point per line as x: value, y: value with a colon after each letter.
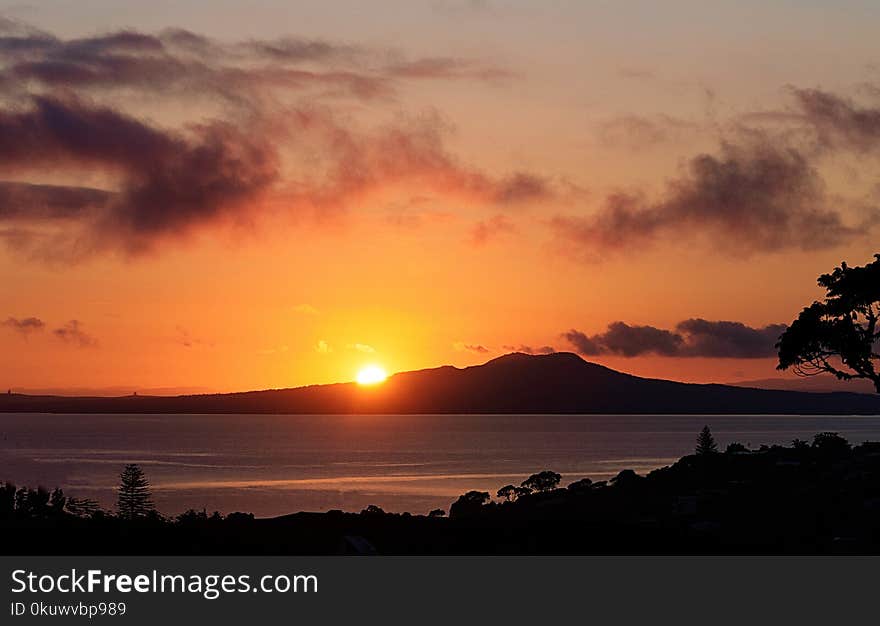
x: 508, y: 492
x: 25, y: 502
x: 582, y: 485
x: 469, y: 504
x: 626, y: 478
x: 82, y: 507
x: 542, y: 481
x: 511, y: 493
x: 706, y: 442
x: 135, y: 498
x: 735, y: 447
x: 437, y: 513
x: 830, y: 444
x: 838, y: 336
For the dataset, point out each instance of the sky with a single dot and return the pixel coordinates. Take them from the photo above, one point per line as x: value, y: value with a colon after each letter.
x: 226, y: 195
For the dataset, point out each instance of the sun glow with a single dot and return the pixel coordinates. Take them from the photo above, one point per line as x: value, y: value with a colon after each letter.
x: 371, y: 375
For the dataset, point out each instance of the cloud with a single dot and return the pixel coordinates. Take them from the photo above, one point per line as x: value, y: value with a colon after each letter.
x: 446, y: 68
x: 529, y: 349
x: 485, y: 230
x: 839, y: 123
x: 270, y: 136
x: 180, y: 61
x: 636, y: 132
x: 24, y: 201
x: 410, y: 154
x: 322, y: 347
x: 620, y: 338
x: 25, y: 326
x: 169, y: 181
x: 73, y: 333
x: 460, y: 346
x: 750, y: 198
x: 694, y: 337
x: 361, y: 347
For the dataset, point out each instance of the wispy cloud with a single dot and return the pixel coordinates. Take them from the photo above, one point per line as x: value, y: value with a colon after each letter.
x: 461, y: 346
x: 25, y: 326
x: 486, y: 230
x: 529, y: 349
x: 73, y: 333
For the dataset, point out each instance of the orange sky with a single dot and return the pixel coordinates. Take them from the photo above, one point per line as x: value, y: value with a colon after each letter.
x: 421, y: 185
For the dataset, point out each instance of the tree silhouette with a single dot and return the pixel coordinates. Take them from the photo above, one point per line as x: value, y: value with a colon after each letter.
x: 508, y: 492
x: 7, y: 500
x: 830, y: 444
x: 581, y: 486
x: 437, y: 513
x: 706, y: 442
x: 82, y: 507
x: 542, y: 481
x: 57, y: 501
x: 135, y: 499
x: 838, y: 336
x: 735, y: 447
x: 626, y: 478
x: 511, y: 492
x: 373, y: 509
x: 469, y: 503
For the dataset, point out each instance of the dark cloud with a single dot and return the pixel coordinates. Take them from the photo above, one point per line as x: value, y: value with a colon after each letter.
x: 183, y: 61
x: 25, y: 326
x: 252, y: 150
x: 691, y: 338
x: 626, y: 340
x: 839, y: 122
x: 521, y: 187
x: 751, y: 198
x: 169, y: 181
x: 49, y: 202
x: 73, y: 333
x: 729, y: 339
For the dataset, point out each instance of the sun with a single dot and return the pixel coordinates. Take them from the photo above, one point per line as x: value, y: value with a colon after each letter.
x: 371, y: 375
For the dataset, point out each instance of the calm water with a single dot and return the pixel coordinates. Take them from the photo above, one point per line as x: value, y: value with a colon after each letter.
x: 271, y: 464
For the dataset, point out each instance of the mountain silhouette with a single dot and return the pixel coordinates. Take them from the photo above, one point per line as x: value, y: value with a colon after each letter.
x: 515, y: 383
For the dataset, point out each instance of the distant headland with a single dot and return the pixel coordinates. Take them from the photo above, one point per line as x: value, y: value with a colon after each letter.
x: 558, y: 383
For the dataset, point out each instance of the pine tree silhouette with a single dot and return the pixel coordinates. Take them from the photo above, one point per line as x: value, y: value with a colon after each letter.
x: 135, y: 498
x: 706, y: 442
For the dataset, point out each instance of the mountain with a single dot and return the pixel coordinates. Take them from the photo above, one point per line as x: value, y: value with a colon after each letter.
x: 515, y: 383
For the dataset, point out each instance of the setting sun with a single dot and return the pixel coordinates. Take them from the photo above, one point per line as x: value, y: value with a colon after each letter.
x: 371, y: 375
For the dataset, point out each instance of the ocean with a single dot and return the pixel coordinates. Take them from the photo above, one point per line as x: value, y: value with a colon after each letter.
x: 277, y: 464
